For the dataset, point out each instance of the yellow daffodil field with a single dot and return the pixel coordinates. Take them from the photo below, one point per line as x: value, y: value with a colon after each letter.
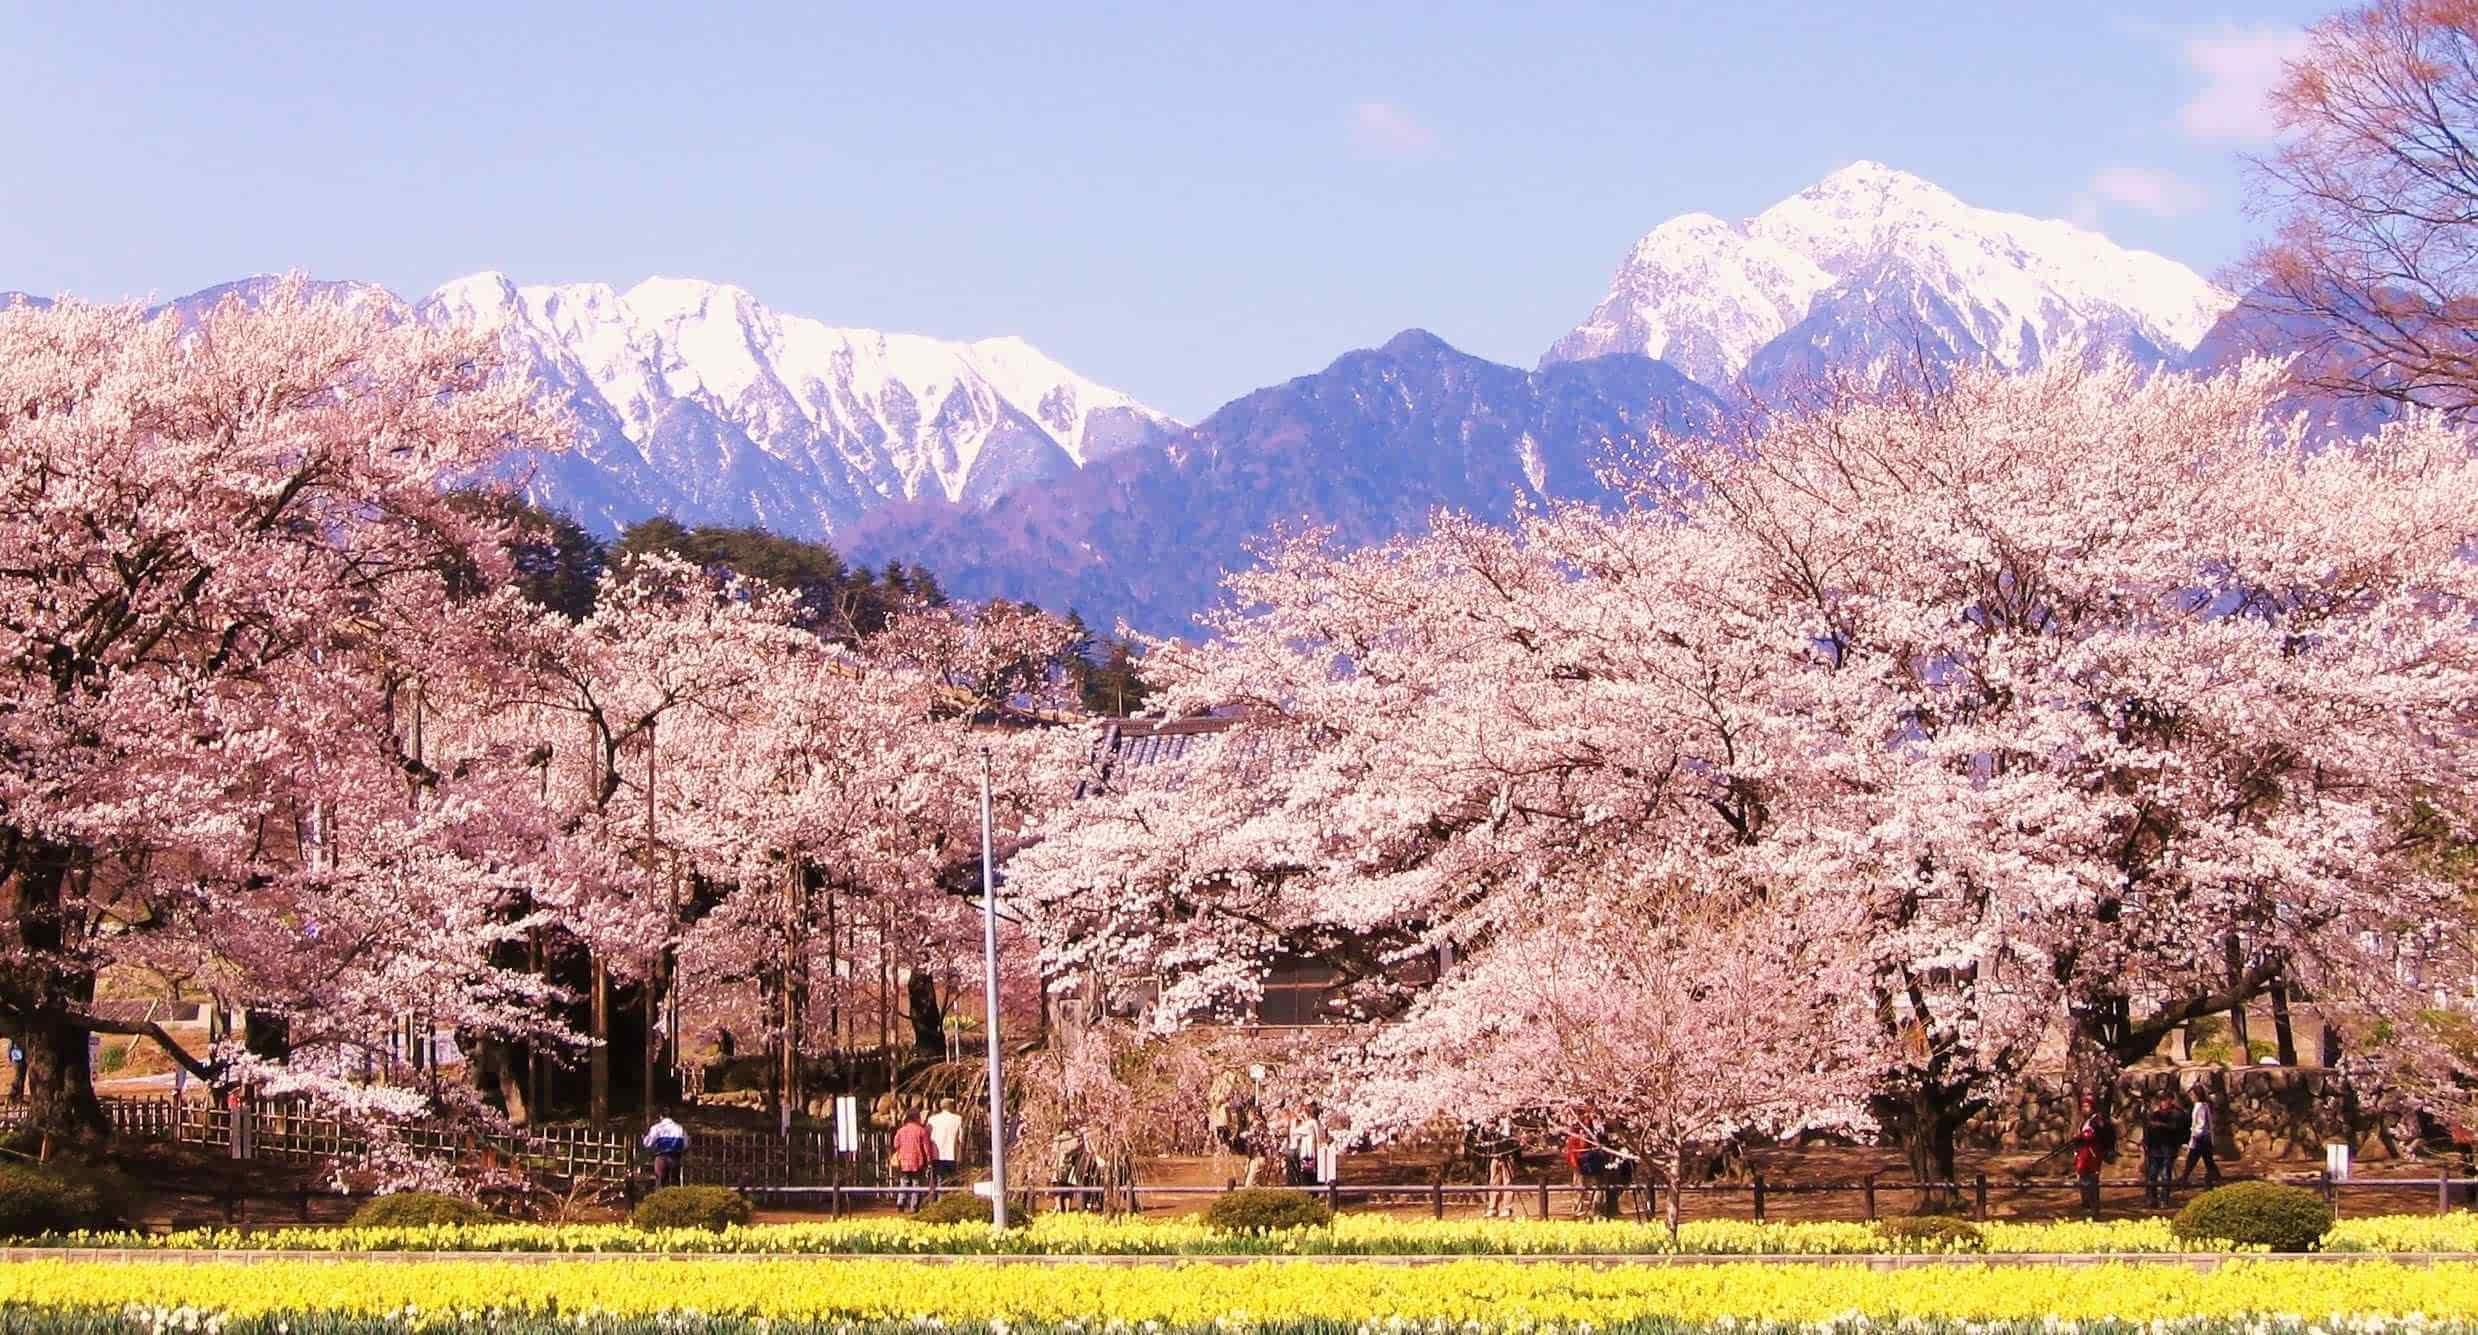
x: 1084, y: 1275
x: 1349, y: 1235
x: 777, y: 1295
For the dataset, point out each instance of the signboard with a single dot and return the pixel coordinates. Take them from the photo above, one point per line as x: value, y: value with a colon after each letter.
x: 847, y: 1124
x: 2336, y: 1162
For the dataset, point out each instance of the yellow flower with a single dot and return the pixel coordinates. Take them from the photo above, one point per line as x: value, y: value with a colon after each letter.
x: 1491, y: 1293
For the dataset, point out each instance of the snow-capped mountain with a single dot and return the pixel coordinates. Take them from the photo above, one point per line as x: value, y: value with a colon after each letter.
x: 692, y: 398
x: 1871, y: 262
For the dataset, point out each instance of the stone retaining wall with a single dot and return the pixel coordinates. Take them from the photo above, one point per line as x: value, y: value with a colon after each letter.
x: 2265, y: 1112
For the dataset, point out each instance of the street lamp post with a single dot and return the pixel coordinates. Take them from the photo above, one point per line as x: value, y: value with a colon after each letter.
x: 989, y: 995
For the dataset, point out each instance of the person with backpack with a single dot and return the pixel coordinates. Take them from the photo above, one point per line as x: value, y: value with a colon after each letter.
x: 2163, y: 1134
x: 667, y: 1141
x: 2094, y: 1144
x: 1583, y: 1160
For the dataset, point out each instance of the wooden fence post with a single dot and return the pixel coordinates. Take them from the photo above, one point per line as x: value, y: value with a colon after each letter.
x: 1870, y: 1193
x: 1759, y: 1198
x: 1436, y: 1197
x: 1544, y: 1196
x: 1979, y: 1198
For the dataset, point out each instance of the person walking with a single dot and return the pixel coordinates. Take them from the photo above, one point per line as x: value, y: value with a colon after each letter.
x: 2201, y: 1135
x: 1582, y: 1165
x: 1067, y: 1161
x: 1500, y: 1154
x: 2093, y: 1143
x: 1307, y: 1146
x: 914, y: 1153
x: 667, y: 1141
x: 2163, y: 1134
x: 1617, y: 1173
x: 946, y: 1141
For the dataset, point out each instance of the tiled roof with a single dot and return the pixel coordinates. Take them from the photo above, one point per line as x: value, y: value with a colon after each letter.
x: 1139, y: 743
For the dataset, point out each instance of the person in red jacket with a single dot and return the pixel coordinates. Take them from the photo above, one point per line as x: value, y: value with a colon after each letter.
x: 914, y: 1151
x: 2092, y: 1145
x: 1583, y: 1165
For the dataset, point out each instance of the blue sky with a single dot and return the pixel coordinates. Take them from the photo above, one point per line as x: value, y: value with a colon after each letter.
x: 1186, y: 201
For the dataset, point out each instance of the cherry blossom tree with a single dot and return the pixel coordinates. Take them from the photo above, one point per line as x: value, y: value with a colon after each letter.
x: 744, y: 811
x: 2097, y: 699
x: 222, y: 548
x: 1656, y: 1021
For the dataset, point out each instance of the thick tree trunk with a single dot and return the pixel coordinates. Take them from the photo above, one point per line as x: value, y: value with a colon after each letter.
x: 1677, y: 1176
x: 2282, y: 1033
x: 598, y: 1094
x: 1929, y: 1124
x: 928, y: 1019
x: 60, y: 1085
x: 2237, y: 1013
x: 47, y: 989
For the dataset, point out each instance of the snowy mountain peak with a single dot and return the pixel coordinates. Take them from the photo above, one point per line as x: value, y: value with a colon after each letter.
x: 487, y: 290
x: 1870, y: 180
x: 694, y: 397
x: 1874, y: 261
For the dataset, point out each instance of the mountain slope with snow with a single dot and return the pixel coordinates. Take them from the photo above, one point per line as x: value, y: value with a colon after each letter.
x: 1874, y: 263
x: 694, y: 399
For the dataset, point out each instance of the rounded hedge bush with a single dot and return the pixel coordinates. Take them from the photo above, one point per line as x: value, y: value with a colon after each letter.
x: 2256, y: 1214
x: 715, y: 1208
x: 1932, y: 1233
x: 418, y: 1209
x: 970, y: 1207
x: 1265, y: 1209
x: 60, y: 1197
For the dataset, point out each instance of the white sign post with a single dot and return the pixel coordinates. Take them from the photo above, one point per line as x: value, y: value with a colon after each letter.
x: 847, y: 1124
x: 2336, y: 1161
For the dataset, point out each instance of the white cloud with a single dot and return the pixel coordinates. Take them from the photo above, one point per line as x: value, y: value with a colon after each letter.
x: 2239, y: 68
x: 1381, y: 129
x: 2158, y: 193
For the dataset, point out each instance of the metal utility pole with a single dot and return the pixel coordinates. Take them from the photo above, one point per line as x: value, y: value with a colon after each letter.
x: 989, y: 995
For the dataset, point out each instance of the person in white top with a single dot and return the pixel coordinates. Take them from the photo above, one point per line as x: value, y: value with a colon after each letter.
x: 2199, y: 1147
x: 1307, y: 1141
x: 946, y: 1137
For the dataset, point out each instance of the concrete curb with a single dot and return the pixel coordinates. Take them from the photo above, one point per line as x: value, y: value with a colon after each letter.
x: 2196, y: 1261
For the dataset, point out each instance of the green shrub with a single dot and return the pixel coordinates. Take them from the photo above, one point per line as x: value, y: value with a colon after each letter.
x: 1265, y: 1209
x: 969, y: 1207
x: 1932, y: 1233
x: 715, y: 1208
x: 418, y: 1209
x: 2256, y: 1214
x: 60, y: 1197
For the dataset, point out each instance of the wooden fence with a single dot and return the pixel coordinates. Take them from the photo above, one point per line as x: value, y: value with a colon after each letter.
x: 1755, y: 1199
x: 802, y: 1171
x: 281, y: 1131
